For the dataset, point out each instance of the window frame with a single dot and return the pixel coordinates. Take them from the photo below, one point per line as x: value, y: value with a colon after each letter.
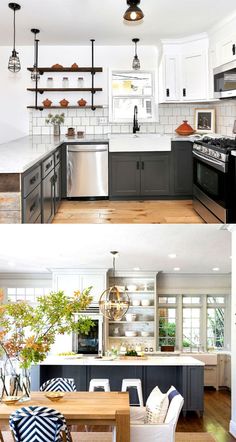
x: 152, y: 97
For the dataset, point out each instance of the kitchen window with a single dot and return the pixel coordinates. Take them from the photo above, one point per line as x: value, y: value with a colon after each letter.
x: 129, y: 89
x: 29, y: 294
x: 193, y: 322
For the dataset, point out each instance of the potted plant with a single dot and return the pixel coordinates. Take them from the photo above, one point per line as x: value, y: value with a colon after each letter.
x: 56, y: 121
x: 27, y: 333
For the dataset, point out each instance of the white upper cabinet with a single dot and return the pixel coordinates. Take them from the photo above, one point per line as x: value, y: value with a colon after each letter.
x: 223, y: 39
x: 184, y: 70
x: 78, y: 279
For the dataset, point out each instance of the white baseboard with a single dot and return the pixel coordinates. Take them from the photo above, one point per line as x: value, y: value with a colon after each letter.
x: 232, y: 428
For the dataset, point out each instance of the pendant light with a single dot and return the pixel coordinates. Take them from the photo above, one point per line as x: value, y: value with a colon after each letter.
x: 35, y: 75
x: 114, y: 304
x: 136, y: 62
x: 133, y: 13
x: 14, y: 61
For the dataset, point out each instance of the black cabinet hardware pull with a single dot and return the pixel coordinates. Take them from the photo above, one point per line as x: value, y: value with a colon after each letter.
x: 234, y: 49
x: 32, y: 181
x: 167, y: 92
x: 48, y: 165
x: 32, y: 207
x: 137, y: 165
x: 184, y: 92
x: 142, y: 165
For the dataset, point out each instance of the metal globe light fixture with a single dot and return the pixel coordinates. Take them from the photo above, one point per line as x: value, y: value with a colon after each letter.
x: 35, y: 75
x: 133, y: 13
x: 136, y: 62
x: 113, y: 303
x: 14, y: 61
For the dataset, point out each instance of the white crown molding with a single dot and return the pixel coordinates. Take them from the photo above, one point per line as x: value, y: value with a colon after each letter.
x: 188, y: 39
x: 222, y: 23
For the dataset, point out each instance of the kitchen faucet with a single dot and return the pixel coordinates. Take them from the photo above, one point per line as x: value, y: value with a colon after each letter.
x: 136, y: 127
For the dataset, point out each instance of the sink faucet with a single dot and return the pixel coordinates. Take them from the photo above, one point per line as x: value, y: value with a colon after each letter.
x: 136, y: 127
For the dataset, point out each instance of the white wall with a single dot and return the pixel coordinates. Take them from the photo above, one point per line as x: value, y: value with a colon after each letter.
x: 14, y: 121
x: 232, y: 428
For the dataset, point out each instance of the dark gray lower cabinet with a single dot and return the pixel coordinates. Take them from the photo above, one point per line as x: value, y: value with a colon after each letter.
x: 32, y: 207
x: 48, y: 198
x: 182, y: 168
x: 135, y: 175
x: 57, y: 187
x: 188, y: 380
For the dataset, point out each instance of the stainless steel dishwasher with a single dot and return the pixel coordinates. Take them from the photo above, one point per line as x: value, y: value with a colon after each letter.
x: 87, y: 170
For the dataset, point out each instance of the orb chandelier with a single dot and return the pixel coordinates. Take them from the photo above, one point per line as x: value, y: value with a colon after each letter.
x: 136, y: 62
x: 14, y: 61
x: 35, y: 75
x: 133, y: 13
x: 113, y: 303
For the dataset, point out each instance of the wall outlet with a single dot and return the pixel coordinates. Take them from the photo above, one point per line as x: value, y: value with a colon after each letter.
x: 102, y: 120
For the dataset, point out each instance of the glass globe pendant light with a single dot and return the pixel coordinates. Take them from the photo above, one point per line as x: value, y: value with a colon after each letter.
x: 136, y: 62
x: 14, y: 61
x: 114, y: 304
x: 133, y: 13
x: 35, y: 75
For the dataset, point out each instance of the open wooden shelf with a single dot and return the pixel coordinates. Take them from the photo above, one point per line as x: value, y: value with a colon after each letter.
x: 68, y: 69
x: 41, y: 90
x: 67, y: 107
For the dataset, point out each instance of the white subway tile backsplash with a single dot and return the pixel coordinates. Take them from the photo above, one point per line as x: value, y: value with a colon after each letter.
x: 98, y: 130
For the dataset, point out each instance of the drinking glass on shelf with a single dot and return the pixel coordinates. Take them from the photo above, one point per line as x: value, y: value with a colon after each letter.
x: 80, y: 82
x: 50, y: 82
x: 65, y: 82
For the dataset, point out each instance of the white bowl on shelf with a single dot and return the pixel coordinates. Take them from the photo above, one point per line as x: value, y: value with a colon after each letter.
x: 131, y: 288
x: 130, y: 317
x: 145, y: 302
x: 145, y: 334
x: 136, y: 303
x: 130, y: 334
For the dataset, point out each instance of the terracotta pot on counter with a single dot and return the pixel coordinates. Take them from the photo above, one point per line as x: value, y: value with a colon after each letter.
x: 185, y: 129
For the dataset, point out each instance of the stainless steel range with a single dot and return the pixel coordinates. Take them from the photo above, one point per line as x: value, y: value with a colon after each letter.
x: 214, y: 179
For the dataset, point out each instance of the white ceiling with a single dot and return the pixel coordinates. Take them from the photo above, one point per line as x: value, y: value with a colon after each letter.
x: 33, y: 248
x: 76, y: 21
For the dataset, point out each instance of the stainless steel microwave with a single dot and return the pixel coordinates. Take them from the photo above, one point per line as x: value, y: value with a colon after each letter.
x: 225, y: 80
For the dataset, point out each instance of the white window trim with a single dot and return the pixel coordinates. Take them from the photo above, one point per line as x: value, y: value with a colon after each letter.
x: 153, y: 97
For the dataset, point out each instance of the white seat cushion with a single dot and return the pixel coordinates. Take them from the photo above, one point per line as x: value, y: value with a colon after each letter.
x: 156, y: 407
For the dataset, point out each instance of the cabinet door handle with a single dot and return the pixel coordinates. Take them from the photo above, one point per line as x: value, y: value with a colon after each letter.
x: 137, y: 165
x: 184, y: 92
x: 234, y: 49
x: 48, y: 165
x: 142, y: 165
x: 32, y: 207
x: 33, y: 179
x: 167, y: 92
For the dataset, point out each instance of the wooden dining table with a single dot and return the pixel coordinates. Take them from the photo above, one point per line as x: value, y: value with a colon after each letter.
x: 83, y: 408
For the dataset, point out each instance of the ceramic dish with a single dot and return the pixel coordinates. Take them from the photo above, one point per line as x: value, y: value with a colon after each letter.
x: 136, y: 302
x: 131, y: 288
x: 130, y: 334
x: 145, y: 302
x: 130, y: 317
x: 145, y: 334
x: 55, y: 395
x: 10, y: 400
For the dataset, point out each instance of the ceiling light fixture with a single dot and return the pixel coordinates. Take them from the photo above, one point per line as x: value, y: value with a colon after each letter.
x: 176, y: 269
x: 136, y: 62
x: 172, y: 256
x: 216, y: 269
x: 114, y: 304
x: 133, y: 13
x: 35, y: 75
x: 14, y: 61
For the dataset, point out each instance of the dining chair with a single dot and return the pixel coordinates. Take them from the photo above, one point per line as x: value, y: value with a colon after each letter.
x: 29, y: 424
x: 59, y: 384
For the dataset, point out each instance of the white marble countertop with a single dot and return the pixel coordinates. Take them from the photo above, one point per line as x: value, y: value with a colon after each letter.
x: 150, y: 361
x: 19, y: 155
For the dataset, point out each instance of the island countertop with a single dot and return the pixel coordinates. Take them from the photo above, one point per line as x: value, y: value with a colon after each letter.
x: 150, y: 361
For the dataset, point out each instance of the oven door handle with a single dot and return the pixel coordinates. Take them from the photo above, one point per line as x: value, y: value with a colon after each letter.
x: 223, y: 167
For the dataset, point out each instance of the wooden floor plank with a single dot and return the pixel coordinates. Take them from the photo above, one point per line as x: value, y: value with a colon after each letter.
x: 127, y: 212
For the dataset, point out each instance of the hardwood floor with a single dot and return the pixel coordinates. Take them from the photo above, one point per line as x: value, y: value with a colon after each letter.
x: 216, y: 417
x: 127, y: 212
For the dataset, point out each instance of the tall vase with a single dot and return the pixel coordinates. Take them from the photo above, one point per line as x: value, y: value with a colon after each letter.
x: 14, y: 380
x: 56, y: 130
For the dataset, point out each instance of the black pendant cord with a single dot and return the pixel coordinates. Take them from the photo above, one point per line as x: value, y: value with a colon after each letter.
x: 14, y: 31
x: 92, y: 73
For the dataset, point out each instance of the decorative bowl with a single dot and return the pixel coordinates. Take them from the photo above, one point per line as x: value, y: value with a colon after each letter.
x: 55, y: 396
x: 10, y: 400
x: 74, y: 66
x: 136, y: 302
x: 145, y: 334
x: 130, y: 334
x: 82, y: 102
x: 57, y: 66
x: 145, y: 302
x: 130, y: 317
x: 80, y: 134
x: 47, y: 103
